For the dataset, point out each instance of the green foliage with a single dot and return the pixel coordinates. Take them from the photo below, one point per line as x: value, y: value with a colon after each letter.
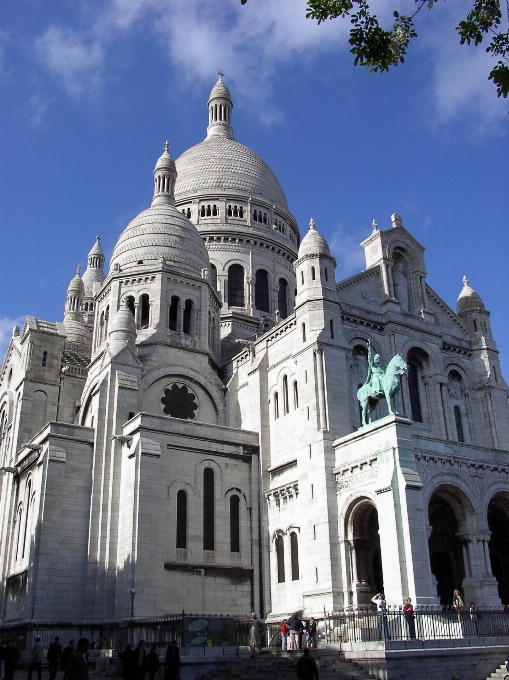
x: 379, y: 48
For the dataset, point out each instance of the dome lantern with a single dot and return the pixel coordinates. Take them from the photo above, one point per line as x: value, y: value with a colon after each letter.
x: 75, y: 297
x: 220, y: 110
x: 165, y: 174
x: 469, y: 300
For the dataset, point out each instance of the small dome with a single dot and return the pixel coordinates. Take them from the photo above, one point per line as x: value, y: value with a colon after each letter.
x: 313, y: 243
x: 77, y: 287
x: 165, y: 160
x: 77, y: 332
x: 220, y: 91
x: 94, y: 272
x: 161, y: 231
x: 468, y: 299
x: 122, y: 328
x: 97, y: 250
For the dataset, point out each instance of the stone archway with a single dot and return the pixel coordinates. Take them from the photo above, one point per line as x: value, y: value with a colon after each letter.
x: 366, y: 557
x: 448, y: 541
x: 498, y: 523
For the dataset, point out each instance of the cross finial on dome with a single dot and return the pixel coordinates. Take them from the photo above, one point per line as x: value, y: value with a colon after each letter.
x: 465, y: 281
x: 78, y: 270
x: 97, y: 238
x: 312, y: 224
x: 220, y: 74
x: 374, y: 224
x: 167, y: 146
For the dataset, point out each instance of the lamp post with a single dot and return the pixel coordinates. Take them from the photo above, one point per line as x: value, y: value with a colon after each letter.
x: 133, y: 593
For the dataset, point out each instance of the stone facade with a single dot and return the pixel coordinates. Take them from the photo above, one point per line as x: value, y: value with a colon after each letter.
x: 191, y: 431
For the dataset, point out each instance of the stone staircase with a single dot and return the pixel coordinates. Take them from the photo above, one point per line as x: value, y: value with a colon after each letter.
x: 501, y: 672
x: 279, y: 665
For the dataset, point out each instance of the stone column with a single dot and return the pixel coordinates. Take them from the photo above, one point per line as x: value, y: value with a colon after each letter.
x: 322, y: 408
x: 250, y: 297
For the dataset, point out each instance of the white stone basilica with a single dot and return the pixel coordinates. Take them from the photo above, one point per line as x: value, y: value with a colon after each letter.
x: 191, y: 429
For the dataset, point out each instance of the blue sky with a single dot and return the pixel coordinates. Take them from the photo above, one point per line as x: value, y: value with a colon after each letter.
x: 91, y: 89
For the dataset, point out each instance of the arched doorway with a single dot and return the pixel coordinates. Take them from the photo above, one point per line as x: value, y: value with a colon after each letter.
x: 366, y: 568
x: 447, y: 542
x: 498, y: 523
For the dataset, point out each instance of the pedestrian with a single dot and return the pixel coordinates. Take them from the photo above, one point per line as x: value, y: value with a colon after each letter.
x: 64, y: 657
x: 311, y: 633
x: 474, y: 618
x: 126, y: 659
x: 255, y: 638
x: 36, y: 659
x: 3, y: 650
x: 172, y: 662
x: 53, y: 657
x: 11, y: 658
x: 457, y: 601
x: 153, y: 663
x: 77, y: 663
x: 139, y: 655
x: 294, y: 628
x: 381, y: 609
x: 409, y: 614
x: 284, y: 634
x: 306, y: 667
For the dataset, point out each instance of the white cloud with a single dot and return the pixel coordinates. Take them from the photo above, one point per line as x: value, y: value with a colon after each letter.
x: 6, y: 326
x: 345, y: 246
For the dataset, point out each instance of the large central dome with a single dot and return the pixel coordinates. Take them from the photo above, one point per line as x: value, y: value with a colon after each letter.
x: 222, y: 165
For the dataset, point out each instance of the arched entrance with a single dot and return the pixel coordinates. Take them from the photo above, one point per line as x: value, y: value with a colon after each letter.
x: 366, y: 568
x: 448, y: 540
x: 498, y: 523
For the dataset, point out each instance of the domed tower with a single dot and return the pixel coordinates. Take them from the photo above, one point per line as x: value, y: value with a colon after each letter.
x: 92, y: 279
x: 241, y: 212
x: 78, y: 334
x: 471, y: 310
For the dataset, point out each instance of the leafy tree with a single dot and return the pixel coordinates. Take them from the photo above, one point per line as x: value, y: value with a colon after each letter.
x: 379, y: 48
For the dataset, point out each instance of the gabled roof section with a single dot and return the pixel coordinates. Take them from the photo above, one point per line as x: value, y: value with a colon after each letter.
x: 446, y: 309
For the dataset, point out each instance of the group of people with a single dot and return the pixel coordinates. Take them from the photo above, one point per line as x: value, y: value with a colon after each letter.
x: 137, y: 662
x: 293, y: 630
x: 9, y: 657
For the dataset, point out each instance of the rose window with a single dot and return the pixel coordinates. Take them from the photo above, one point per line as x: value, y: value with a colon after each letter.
x: 179, y: 402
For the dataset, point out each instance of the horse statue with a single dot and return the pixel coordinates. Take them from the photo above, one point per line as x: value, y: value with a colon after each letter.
x: 380, y: 384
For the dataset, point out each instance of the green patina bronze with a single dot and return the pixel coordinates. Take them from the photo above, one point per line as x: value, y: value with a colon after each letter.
x: 380, y: 384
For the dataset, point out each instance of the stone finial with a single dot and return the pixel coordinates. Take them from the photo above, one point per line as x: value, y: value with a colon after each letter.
x: 167, y: 146
x: 465, y: 281
x: 374, y: 224
x: 220, y: 74
x: 78, y: 270
x: 15, y: 332
x: 396, y: 220
x: 312, y: 224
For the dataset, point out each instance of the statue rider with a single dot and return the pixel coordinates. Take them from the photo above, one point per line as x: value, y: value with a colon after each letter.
x: 375, y: 373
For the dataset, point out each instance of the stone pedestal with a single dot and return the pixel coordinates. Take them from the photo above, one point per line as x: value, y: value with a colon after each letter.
x: 378, y: 463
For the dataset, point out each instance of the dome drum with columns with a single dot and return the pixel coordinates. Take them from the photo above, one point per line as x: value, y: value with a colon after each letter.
x: 195, y: 419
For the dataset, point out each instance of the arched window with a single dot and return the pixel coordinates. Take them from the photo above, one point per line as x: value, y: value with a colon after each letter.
x: 262, y: 291
x: 303, y: 332
x: 189, y: 213
x: 280, y: 556
x: 295, y: 395
x: 283, y: 298
x: 413, y: 390
x: 209, y: 211
x: 130, y: 304
x: 91, y: 307
x: 106, y: 319
x: 255, y: 216
x: 174, y: 312
x: 236, y: 286
x: 213, y: 276
x: 475, y: 325
x: 19, y: 531
x: 230, y: 214
x: 294, y: 551
x: 214, y: 210
x: 276, y: 405
x: 234, y: 523
x: 285, y: 395
x: 331, y: 324
x: 313, y: 273
x: 208, y: 509
x: 85, y: 307
x: 459, y: 424
x: 202, y: 211
x: 326, y: 274
x: 188, y: 317
x: 241, y: 211
x: 44, y: 358
x: 144, y: 311
x: 265, y: 218
x: 235, y: 211
x: 182, y: 519
x: 302, y: 278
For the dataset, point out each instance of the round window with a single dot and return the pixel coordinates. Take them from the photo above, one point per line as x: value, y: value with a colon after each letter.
x: 179, y: 402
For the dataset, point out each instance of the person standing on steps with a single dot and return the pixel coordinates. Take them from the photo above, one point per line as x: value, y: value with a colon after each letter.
x: 139, y: 660
x: 409, y: 614
x: 172, y: 662
x: 381, y: 607
x: 306, y: 667
x: 64, y: 658
x: 126, y: 658
x: 11, y: 658
x: 284, y: 634
x: 77, y: 665
x: 294, y: 629
x: 153, y: 663
x: 36, y: 659
x: 255, y: 641
x: 53, y: 657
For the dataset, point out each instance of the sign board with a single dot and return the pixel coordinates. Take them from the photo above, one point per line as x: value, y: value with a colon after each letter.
x: 201, y: 631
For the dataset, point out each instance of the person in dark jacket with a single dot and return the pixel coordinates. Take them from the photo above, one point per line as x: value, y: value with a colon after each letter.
x: 295, y: 629
x: 53, y: 657
x: 11, y: 658
x: 77, y: 664
x: 306, y: 667
x: 153, y: 664
x: 126, y: 659
x: 36, y: 659
x: 172, y: 662
x: 139, y: 655
x: 64, y: 657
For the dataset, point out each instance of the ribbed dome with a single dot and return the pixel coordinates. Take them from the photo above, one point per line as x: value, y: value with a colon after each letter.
x: 122, y: 328
x: 77, y: 332
x: 313, y: 243
x: 165, y: 160
x: 76, y: 286
x: 161, y: 232
x: 468, y: 299
x: 220, y: 165
x: 94, y: 272
x: 220, y: 91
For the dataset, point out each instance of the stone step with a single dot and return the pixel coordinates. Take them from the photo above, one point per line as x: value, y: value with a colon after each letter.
x: 501, y: 672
